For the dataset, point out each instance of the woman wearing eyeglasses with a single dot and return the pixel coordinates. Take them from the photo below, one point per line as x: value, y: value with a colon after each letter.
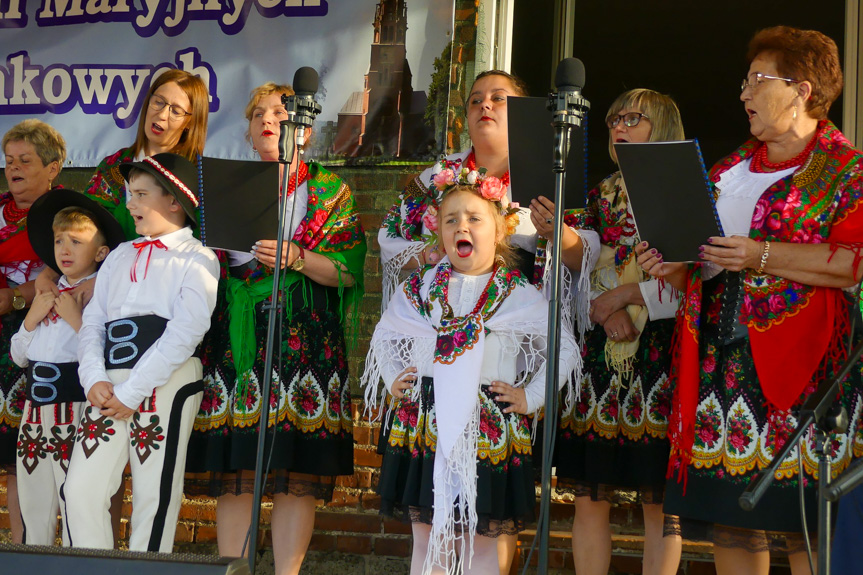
x: 765, y: 319
x: 614, y: 436
x: 173, y: 119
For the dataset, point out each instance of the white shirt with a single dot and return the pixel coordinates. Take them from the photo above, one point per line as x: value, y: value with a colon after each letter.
x: 180, y: 285
x: 56, y: 342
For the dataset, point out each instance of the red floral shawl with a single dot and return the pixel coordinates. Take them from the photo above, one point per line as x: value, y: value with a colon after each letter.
x: 796, y: 331
x: 15, y: 244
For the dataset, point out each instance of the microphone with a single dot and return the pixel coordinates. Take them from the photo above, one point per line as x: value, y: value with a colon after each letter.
x: 302, y: 110
x: 568, y: 105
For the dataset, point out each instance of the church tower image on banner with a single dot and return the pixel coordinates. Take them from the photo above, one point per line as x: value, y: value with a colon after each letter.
x: 386, y: 117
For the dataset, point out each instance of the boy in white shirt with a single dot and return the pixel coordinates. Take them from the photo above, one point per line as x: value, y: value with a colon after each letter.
x: 150, y: 309
x: 72, y: 234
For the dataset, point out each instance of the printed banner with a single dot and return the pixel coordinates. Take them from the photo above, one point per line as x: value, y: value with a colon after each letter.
x: 84, y: 66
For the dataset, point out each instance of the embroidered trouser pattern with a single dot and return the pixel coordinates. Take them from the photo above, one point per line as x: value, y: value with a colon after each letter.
x: 45, y: 442
x: 154, y: 442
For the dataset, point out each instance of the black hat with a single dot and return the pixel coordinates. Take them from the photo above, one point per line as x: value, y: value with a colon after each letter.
x: 40, y: 222
x: 174, y: 173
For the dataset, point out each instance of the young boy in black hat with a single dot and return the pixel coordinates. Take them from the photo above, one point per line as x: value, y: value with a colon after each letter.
x: 72, y: 234
x: 150, y: 309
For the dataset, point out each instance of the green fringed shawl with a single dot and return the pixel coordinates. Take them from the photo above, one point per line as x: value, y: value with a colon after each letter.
x: 331, y: 228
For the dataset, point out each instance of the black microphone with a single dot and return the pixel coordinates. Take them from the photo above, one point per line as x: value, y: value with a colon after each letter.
x: 302, y: 110
x: 568, y: 105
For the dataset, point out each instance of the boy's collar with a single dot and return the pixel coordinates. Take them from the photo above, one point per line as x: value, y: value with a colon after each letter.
x: 64, y: 281
x: 171, y: 239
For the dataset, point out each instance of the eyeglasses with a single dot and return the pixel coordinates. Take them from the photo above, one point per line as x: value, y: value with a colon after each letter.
x: 158, y: 104
x: 756, y: 78
x: 630, y: 120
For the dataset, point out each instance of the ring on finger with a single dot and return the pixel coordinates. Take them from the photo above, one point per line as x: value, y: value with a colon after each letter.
x: 613, y: 334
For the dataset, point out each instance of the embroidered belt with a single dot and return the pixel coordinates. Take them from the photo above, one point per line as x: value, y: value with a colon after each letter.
x: 127, y: 339
x: 49, y: 383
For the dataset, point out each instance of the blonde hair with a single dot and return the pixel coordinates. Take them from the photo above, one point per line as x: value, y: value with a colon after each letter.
x: 77, y: 219
x: 661, y: 111
x: 48, y: 143
x: 191, y: 143
x: 259, y: 94
x: 504, y: 249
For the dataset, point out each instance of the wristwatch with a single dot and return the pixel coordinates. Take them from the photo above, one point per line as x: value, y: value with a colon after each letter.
x: 18, y: 301
x: 300, y: 262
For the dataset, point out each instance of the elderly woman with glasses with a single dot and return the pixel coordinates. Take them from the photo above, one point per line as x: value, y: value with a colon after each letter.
x: 765, y: 319
x: 614, y: 436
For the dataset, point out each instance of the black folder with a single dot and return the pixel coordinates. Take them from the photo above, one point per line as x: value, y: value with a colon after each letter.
x: 239, y: 203
x: 531, y: 154
x: 670, y: 195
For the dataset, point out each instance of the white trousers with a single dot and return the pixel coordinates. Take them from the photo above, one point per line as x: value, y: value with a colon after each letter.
x: 154, y: 442
x: 46, y: 439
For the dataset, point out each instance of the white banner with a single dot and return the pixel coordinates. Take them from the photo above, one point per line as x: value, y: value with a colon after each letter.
x: 84, y: 66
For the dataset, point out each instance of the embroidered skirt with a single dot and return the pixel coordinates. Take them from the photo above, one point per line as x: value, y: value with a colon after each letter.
x: 614, y: 437
x: 310, y: 405
x: 734, y: 439
x: 12, y: 390
x: 505, y: 480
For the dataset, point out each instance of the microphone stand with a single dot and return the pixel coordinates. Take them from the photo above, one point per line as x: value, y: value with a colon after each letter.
x: 564, y: 120
x: 817, y: 410
x: 286, y: 157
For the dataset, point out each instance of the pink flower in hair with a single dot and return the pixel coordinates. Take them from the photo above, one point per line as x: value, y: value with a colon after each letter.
x: 430, y: 219
x: 444, y: 178
x: 492, y: 189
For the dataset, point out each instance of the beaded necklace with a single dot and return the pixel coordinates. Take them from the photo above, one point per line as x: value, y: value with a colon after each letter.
x: 761, y: 165
x: 12, y: 214
x: 470, y: 163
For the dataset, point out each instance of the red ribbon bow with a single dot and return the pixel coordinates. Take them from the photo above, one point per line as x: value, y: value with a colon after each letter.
x: 133, y: 274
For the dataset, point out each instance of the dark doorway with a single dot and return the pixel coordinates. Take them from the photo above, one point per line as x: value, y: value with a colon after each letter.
x: 694, y: 51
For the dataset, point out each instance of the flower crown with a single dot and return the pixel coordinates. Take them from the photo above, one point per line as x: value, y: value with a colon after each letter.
x: 445, y: 179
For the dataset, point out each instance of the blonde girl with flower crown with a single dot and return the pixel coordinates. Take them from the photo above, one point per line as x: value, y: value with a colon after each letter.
x: 461, y: 349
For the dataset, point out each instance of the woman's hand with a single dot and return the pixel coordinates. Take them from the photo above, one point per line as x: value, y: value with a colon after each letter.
x: 514, y: 396
x: 651, y: 262
x: 612, y: 300
x: 403, y: 382
x: 265, y: 252
x: 619, y: 327
x: 46, y: 281
x: 542, y: 216
x: 734, y: 253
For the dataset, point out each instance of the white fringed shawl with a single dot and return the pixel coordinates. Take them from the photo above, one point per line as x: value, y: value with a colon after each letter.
x: 419, y: 319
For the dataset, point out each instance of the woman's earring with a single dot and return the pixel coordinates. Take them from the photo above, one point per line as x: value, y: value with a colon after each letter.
x: 794, y: 115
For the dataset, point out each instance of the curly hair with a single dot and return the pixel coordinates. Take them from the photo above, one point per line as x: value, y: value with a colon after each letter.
x: 804, y: 55
x: 45, y: 139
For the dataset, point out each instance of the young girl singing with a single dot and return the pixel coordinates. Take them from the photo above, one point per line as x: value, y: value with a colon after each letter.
x: 461, y: 348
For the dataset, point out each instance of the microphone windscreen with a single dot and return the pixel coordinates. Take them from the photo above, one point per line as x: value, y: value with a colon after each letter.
x: 306, y: 81
x: 569, y: 75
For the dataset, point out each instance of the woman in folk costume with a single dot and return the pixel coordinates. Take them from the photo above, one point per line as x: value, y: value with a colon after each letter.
x: 462, y: 348
x: 310, y: 416
x: 402, y: 233
x: 614, y: 437
x: 764, y: 319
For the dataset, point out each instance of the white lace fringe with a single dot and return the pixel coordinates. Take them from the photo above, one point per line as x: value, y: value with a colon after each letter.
x: 392, y: 271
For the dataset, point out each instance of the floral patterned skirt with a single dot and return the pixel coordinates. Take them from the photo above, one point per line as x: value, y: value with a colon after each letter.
x: 614, y: 437
x: 735, y: 437
x: 12, y: 390
x: 505, y: 488
x: 311, y: 437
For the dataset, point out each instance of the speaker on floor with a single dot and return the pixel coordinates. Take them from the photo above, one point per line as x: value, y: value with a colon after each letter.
x: 47, y: 560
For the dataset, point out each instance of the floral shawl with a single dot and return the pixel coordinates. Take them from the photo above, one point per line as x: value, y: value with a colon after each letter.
x: 608, y: 213
x: 796, y: 331
x: 420, y: 312
x: 15, y: 245
x: 108, y: 188
x: 330, y: 228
